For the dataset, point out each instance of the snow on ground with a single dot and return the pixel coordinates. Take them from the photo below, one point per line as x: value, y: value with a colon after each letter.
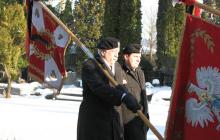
x: 158, y: 117
x: 30, y: 117
x: 37, y: 119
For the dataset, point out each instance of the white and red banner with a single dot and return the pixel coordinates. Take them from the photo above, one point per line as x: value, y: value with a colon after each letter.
x: 46, y: 46
x: 195, y: 106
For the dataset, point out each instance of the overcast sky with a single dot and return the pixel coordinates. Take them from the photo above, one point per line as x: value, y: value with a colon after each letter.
x: 149, y: 10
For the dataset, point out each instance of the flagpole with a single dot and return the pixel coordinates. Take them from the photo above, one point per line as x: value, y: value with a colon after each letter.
x: 112, y: 80
x: 62, y: 24
x: 207, y: 8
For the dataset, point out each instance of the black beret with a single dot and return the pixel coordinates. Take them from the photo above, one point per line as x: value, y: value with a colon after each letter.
x: 108, y: 43
x: 132, y: 48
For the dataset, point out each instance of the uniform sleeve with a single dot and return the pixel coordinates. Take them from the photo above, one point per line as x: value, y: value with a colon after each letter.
x: 119, y: 73
x: 98, y: 84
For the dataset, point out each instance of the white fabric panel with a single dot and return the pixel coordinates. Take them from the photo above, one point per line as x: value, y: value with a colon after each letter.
x: 51, y: 67
x: 37, y: 17
x: 31, y: 51
x: 61, y: 36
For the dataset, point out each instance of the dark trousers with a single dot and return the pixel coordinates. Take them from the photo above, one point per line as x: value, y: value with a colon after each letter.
x: 135, y: 130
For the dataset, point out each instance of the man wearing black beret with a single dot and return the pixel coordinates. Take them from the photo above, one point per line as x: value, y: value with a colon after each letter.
x: 98, y: 119
x: 134, y: 81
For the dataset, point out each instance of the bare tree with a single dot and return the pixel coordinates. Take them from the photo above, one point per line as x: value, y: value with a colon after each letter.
x: 149, y: 32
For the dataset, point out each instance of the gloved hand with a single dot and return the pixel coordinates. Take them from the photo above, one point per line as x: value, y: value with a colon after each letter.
x: 122, y: 88
x: 131, y: 103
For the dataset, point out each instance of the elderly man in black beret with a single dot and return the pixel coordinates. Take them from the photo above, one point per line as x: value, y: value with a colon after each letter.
x: 98, y: 119
x: 134, y: 81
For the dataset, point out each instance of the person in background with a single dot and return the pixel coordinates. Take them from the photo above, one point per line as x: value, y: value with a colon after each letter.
x: 98, y: 119
x: 134, y: 80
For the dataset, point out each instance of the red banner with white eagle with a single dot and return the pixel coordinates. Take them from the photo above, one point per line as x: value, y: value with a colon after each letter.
x: 195, y: 106
x: 46, y: 44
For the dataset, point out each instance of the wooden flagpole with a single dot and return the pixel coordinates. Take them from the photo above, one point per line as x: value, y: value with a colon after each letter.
x: 112, y: 80
x: 207, y: 8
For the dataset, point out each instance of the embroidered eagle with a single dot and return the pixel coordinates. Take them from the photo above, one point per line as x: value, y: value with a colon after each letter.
x: 202, y: 110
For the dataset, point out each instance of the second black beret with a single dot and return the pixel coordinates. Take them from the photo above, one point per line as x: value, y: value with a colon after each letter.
x: 132, y: 48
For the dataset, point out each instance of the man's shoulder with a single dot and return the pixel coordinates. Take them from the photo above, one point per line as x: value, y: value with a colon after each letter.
x: 88, y: 62
x: 139, y: 69
x: 117, y: 65
x: 119, y: 68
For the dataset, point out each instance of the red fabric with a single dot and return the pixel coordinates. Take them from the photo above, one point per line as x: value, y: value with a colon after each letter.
x: 36, y: 64
x: 188, y: 2
x: 197, y: 11
x: 44, y: 46
x: 193, y: 56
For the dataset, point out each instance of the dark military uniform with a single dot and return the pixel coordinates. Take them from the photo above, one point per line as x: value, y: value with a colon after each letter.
x: 134, y: 81
x: 98, y: 120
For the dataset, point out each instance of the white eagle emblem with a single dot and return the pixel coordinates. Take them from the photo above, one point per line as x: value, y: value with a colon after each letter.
x: 201, y: 111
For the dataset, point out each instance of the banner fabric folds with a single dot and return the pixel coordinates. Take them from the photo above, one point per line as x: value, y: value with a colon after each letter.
x: 46, y: 43
x: 194, y: 112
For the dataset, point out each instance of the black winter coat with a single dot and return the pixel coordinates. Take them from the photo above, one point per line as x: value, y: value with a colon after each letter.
x: 135, y: 128
x: 98, y: 120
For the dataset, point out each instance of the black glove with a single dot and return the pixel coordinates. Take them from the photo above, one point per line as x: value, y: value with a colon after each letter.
x: 131, y: 103
x: 122, y: 88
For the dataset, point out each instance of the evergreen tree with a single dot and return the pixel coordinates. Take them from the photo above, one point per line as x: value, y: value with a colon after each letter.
x: 4, y: 3
x: 162, y: 22
x: 12, y: 33
x: 8, y: 2
x: 54, y: 10
x: 67, y: 14
x: 130, y: 22
x: 169, y: 27
x: 88, y: 22
x: 174, y: 32
x: 179, y: 22
x: 123, y: 21
x: 111, y: 25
